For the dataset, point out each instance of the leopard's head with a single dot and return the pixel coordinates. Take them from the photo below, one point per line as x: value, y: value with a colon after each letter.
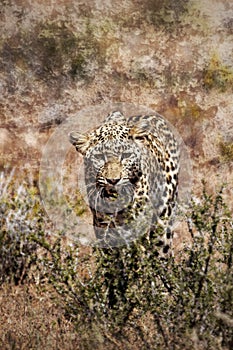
x: 113, y: 165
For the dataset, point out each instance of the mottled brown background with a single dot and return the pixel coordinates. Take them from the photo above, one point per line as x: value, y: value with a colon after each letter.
x: 176, y: 57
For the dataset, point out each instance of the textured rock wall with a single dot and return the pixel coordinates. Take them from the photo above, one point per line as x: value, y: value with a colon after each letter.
x: 176, y: 57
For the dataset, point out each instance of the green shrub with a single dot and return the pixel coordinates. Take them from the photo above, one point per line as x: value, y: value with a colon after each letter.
x: 126, y: 297
x: 115, y: 294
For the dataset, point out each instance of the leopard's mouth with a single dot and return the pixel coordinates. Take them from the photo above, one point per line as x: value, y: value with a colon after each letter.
x: 112, y: 198
x: 109, y: 192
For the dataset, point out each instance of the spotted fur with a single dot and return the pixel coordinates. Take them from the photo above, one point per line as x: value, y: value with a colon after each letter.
x: 131, y: 174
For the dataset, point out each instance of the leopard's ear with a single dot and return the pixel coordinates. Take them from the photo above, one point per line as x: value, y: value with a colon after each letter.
x: 80, y: 141
x: 140, y: 129
x: 116, y: 116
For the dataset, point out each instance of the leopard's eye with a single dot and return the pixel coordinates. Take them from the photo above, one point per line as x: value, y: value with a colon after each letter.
x: 99, y: 156
x: 126, y: 155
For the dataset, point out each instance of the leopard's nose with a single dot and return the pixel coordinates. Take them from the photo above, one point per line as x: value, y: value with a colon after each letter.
x: 113, y: 181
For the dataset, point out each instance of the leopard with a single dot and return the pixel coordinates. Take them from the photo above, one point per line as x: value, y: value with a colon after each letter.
x: 131, y: 167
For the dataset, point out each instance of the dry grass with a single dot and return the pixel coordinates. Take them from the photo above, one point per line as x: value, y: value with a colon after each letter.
x: 29, y: 320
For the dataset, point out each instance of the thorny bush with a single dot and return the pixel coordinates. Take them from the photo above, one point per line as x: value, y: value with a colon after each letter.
x: 126, y: 295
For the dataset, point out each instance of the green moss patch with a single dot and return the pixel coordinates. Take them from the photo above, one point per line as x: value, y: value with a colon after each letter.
x: 218, y: 76
x: 226, y: 151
